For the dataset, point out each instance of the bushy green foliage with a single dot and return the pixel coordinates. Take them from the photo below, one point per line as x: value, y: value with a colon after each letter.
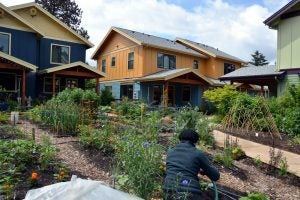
x: 63, y: 117
x: 78, y: 95
x: 192, y: 118
x: 283, y: 167
x: 225, y: 158
x: 255, y: 196
x: 139, y: 160
x: 222, y: 98
x: 131, y: 109
x: 3, y: 118
x: 16, y: 156
x: 286, y: 110
x: 102, y: 139
x: 106, y: 97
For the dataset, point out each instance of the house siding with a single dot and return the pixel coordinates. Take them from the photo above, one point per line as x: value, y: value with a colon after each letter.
x: 77, y: 52
x: 24, y: 44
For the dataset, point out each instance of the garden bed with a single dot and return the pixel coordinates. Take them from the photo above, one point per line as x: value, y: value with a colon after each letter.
x: 265, y: 138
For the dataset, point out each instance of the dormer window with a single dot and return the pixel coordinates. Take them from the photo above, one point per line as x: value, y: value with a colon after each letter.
x: 228, y: 68
x: 5, y: 42
x: 60, y: 54
x: 166, y: 61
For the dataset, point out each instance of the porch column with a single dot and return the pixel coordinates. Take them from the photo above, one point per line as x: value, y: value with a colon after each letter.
x: 262, y: 90
x: 53, y: 84
x: 166, y: 93
x: 97, y: 86
x: 23, y: 86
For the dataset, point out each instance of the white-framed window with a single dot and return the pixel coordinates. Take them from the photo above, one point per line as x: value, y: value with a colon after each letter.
x: 186, y: 93
x: 5, y: 42
x: 8, y: 82
x: 71, y: 83
x: 48, y: 85
x: 60, y: 54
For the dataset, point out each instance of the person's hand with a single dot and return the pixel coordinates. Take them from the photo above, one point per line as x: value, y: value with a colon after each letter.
x: 202, y: 172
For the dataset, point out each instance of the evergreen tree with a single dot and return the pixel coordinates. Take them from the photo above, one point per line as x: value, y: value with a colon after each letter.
x: 258, y: 59
x: 66, y: 11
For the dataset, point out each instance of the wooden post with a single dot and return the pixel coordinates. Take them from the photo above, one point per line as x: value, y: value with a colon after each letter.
x: 97, y: 86
x: 33, y: 134
x: 166, y: 93
x: 262, y: 90
x: 53, y: 84
x: 203, y: 100
x: 23, y: 86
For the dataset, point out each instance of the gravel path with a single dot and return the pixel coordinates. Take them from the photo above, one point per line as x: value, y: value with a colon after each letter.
x: 91, y: 165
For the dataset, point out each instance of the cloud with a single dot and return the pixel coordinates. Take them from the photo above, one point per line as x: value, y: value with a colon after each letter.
x: 237, y: 30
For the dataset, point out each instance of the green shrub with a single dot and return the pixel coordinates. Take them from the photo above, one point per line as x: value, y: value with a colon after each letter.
x: 255, y: 196
x: 238, y: 153
x: 138, y: 162
x: 78, y: 95
x: 102, y: 139
x: 131, y: 109
x: 283, y: 167
x: 222, y: 98
x: 225, y: 158
x: 63, y: 117
x: 106, y: 97
x: 3, y: 118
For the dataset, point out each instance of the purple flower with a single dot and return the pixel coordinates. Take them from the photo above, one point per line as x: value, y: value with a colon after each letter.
x: 185, y: 182
x: 146, y: 144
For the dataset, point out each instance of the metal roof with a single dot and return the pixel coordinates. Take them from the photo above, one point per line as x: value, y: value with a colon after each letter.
x: 151, y: 40
x: 253, y: 71
x: 210, y: 50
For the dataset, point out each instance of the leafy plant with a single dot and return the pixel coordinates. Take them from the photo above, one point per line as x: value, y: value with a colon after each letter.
x: 258, y: 161
x: 283, y: 167
x: 222, y: 97
x: 47, y: 154
x: 225, y: 158
x: 106, y: 97
x: 255, y: 196
x: 238, y: 153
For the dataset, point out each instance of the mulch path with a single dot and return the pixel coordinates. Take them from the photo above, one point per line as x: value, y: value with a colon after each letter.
x: 84, y: 163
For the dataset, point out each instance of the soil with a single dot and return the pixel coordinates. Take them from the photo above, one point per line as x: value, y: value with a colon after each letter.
x: 244, y: 177
x: 265, y: 138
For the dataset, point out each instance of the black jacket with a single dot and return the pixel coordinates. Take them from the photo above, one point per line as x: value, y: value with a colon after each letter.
x: 183, y: 164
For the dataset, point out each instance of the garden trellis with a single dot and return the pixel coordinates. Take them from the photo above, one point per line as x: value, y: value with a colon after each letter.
x: 250, y: 118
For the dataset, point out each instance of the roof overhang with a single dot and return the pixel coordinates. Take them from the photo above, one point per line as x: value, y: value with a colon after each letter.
x: 204, y: 51
x: 58, y: 69
x: 174, y: 75
x: 32, y: 4
x: 17, y: 61
x: 273, y: 20
x: 23, y: 21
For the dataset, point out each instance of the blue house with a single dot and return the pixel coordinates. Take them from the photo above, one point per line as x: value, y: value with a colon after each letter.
x: 39, y: 54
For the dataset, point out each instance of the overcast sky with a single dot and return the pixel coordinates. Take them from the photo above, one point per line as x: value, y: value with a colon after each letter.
x: 234, y: 26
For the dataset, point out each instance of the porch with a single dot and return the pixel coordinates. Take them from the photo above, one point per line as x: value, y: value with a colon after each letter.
x: 70, y: 76
x: 14, y: 74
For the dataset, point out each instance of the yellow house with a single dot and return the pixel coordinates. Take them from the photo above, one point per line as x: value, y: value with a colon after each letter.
x: 159, y: 70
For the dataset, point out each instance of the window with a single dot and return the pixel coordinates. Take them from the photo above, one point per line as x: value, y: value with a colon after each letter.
x: 195, y: 64
x: 130, y: 60
x: 228, y: 68
x: 186, y: 94
x: 5, y: 43
x: 127, y: 91
x: 48, y: 85
x: 166, y: 61
x: 8, y: 82
x: 113, y: 61
x: 104, y: 66
x: 60, y: 54
x: 71, y: 83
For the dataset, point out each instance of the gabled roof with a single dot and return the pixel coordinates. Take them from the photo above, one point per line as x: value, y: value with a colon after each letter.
x: 20, y: 19
x: 208, y: 50
x: 32, y: 4
x: 150, y: 40
x: 18, y: 61
x: 74, y: 64
x: 170, y: 74
x: 252, y: 71
x: 273, y: 19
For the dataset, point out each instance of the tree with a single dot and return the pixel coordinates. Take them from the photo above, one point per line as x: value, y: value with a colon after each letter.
x: 66, y: 11
x: 258, y: 59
